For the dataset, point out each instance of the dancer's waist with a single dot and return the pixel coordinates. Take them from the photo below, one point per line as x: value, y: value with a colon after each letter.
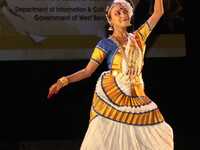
x: 134, y: 79
x: 136, y: 84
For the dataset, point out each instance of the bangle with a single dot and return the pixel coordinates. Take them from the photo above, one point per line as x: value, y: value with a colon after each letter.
x: 63, y: 81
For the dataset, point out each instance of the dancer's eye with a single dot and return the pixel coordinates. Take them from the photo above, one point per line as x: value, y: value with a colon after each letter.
x: 125, y: 12
x: 118, y: 13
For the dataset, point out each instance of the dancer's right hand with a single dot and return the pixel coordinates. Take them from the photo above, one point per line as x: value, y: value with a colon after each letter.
x: 55, y: 88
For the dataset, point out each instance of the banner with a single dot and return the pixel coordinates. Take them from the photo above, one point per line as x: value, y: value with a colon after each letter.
x: 37, y: 21
x: 70, y: 29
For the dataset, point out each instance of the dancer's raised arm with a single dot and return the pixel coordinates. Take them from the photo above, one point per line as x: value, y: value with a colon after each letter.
x: 157, y: 13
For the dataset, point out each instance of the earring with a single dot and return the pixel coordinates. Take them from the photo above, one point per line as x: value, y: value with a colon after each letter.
x: 110, y: 28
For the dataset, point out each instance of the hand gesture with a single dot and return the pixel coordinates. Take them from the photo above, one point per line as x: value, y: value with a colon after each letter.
x: 55, y: 88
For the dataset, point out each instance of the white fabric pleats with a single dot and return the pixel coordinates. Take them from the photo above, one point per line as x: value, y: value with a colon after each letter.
x: 105, y: 134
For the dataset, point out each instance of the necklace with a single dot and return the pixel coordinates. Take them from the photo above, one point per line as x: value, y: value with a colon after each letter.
x: 122, y: 48
x: 121, y: 40
x: 130, y: 55
x: 128, y: 61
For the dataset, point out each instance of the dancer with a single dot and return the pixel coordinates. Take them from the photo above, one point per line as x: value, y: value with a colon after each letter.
x: 122, y: 116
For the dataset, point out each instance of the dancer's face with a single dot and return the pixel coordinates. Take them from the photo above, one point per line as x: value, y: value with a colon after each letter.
x: 119, y: 17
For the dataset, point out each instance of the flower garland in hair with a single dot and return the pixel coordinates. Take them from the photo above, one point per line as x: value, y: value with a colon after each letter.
x: 123, y: 3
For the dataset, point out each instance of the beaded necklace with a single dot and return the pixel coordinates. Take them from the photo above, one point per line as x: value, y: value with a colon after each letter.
x: 133, y: 55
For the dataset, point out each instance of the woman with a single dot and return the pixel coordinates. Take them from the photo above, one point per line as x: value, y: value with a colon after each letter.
x: 122, y: 117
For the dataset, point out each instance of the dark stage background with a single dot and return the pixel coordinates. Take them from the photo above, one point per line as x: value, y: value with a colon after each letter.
x: 28, y: 119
